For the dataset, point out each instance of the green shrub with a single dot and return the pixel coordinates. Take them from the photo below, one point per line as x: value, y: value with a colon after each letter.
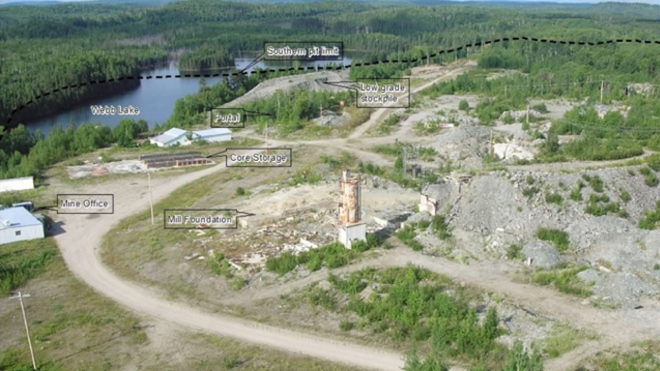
x: 463, y: 105
x: 557, y: 237
x: 220, y: 266
x: 601, y: 205
x: 554, y: 198
x: 651, y: 219
x: 333, y: 255
x: 323, y: 298
x: 238, y: 283
x: 346, y: 325
x: 531, y: 191
x: 565, y: 280
x: 440, y: 227
x: 21, y: 261
x: 229, y: 362
x: 650, y: 179
x: 240, y: 191
x: 541, y: 107
x: 514, y: 252
x: 596, y: 183
x: 624, y: 195
x: 576, y: 194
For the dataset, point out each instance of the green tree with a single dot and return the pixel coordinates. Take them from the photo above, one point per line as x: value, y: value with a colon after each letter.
x: 490, y: 324
x: 519, y: 360
x: 551, y: 144
x: 398, y: 164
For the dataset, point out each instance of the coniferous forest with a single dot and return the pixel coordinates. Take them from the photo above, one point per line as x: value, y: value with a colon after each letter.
x: 54, y: 49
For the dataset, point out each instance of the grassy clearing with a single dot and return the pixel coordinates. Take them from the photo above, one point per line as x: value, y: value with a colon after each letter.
x: 565, y: 280
x: 333, y: 255
x: 72, y: 327
x: 21, y: 261
x: 413, y: 307
x: 134, y: 241
x: 562, y: 339
x: 645, y: 358
x: 75, y: 329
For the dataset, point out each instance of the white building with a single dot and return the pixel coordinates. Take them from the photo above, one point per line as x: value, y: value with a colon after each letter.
x: 16, y: 184
x: 17, y: 224
x: 185, y: 137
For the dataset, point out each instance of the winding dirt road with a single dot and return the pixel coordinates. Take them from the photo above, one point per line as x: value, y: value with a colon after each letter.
x: 80, y: 246
x: 82, y: 238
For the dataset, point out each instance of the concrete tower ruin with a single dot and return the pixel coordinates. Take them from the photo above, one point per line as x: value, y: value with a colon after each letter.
x: 351, y: 226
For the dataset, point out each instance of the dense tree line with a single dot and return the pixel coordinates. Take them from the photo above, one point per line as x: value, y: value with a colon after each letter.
x: 44, y: 48
x: 26, y: 153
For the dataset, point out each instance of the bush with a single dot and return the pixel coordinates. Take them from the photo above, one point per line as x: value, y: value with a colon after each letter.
x: 557, y: 237
x: 600, y: 205
x: 463, y: 105
x: 240, y: 191
x: 518, y: 359
x: 21, y: 261
x: 346, y: 325
x: 554, y: 198
x: 576, y: 194
x: 514, y: 252
x: 651, y: 219
x: 333, y: 255
x: 596, y: 183
x: 541, y: 107
x: 624, y: 195
x: 565, y: 281
x: 649, y: 177
x: 440, y: 227
x: 407, y: 236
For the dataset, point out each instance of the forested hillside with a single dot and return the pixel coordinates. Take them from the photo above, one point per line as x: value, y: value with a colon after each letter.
x: 58, y: 49
x: 49, y: 47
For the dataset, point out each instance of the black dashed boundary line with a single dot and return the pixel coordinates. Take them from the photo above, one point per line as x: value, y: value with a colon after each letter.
x: 319, y: 68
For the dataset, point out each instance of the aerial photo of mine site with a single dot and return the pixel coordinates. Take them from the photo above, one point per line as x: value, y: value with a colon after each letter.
x: 334, y: 185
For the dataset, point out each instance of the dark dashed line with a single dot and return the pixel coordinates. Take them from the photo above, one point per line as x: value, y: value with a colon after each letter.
x: 320, y: 68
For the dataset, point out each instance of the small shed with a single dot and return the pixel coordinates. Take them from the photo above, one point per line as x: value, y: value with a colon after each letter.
x: 17, y: 224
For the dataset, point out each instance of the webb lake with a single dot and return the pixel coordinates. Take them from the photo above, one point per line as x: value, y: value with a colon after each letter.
x: 154, y: 98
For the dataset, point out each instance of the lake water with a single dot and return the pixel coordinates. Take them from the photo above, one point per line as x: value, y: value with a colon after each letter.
x: 155, y: 98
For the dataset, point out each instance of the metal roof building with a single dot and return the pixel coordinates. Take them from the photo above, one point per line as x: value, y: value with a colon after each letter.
x: 16, y: 184
x: 17, y: 224
x: 170, y: 138
x: 180, y: 136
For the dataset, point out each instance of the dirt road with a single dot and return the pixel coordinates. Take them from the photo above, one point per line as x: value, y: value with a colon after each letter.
x: 80, y: 246
x: 81, y: 242
x: 613, y: 328
x: 379, y: 114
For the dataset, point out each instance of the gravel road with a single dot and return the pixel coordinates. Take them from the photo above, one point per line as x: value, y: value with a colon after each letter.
x: 80, y: 246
